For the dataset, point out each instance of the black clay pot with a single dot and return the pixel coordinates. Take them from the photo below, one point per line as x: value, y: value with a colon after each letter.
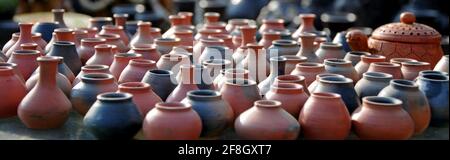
x: 340, y: 85
x: 435, y: 88
x: 68, y: 51
x: 46, y: 29
x: 162, y: 81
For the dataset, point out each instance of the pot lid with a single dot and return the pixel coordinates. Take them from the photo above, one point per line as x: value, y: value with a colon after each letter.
x: 407, y: 31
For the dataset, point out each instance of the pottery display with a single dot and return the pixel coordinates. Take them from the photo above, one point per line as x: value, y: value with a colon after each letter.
x: 363, y: 65
x: 372, y: 83
x: 309, y: 71
x: 355, y: 56
x: 330, y: 50
x: 435, y: 88
x: 291, y: 95
x: 253, y: 125
x: 342, y: 67
x: 410, y: 70
x: 103, y: 55
x: 12, y: 89
x: 325, y: 117
x: 162, y: 82
x: 143, y: 96
x: 68, y: 51
x: 342, y: 86
x: 135, y: 70
x: 121, y: 61
x: 240, y: 94
x: 414, y: 102
x: 143, y: 35
x: 277, y: 67
x: 26, y: 61
x: 387, y: 67
x: 282, y: 48
x: 90, y: 69
x: 382, y: 118
x: 87, y: 48
x: 442, y: 65
x: 113, y: 116
x: 147, y: 51
x: 307, y: 48
x: 25, y: 36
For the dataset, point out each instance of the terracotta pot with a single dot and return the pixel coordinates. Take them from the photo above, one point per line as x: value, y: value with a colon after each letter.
x: 159, y: 122
x: 15, y: 70
x: 190, y: 78
x: 217, y: 26
x: 112, y: 29
x: 271, y: 24
x: 215, y: 66
x: 342, y: 67
x: 25, y: 36
x: 84, y: 94
x: 37, y: 38
x: 330, y: 50
x: 125, y: 123
x: 365, y: 62
x: 386, y: 67
x: 186, y: 37
x: 435, y: 88
x: 253, y: 125
x: 307, y: 25
x: 277, y: 67
x: 68, y: 51
x: 236, y: 23
x: 102, y: 56
x: 90, y: 69
x: 292, y: 79
x: 268, y: 37
x: 136, y: 69
x: 248, y: 36
x: 87, y: 48
x: 99, y: 22
x: 12, y: 89
x: 143, y: 34
x: 410, y: 70
x: 35, y: 111
x: 143, y: 96
x: 172, y: 62
x: 26, y: 61
x: 165, y: 45
x: 58, y: 16
x: 32, y: 46
x: 216, y: 53
x: 215, y: 113
x: 256, y: 62
x: 314, y: 84
x: 231, y: 73
x: 187, y: 17
x: 62, y: 34
x: 200, y: 46
x: 414, y: 101
x: 309, y: 71
x: 292, y: 60
x: 161, y: 81
x: 227, y: 40
x: 91, y: 31
x: 62, y: 81
x: 79, y: 35
x: 401, y: 60
x: 382, y: 118
x: 114, y: 39
x: 240, y: 94
x: 372, y: 83
x: 325, y: 117
x: 184, y: 50
x: 11, y: 42
x: 176, y: 23
x: 355, y: 56
x: 342, y: 86
x: 155, y: 32
x: 283, y: 48
x: 291, y: 95
x: 121, y: 61
x: 148, y: 51
x: 308, y: 50
x: 205, y: 33
x: 442, y: 65
x: 211, y: 17
x: 120, y: 19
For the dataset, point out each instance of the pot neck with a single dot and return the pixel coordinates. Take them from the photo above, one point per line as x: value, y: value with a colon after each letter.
x: 58, y: 16
x: 25, y: 31
x: 135, y: 87
x: 6, y: 71
x: 48, y: 67
x: 248, y: 35
x: 434, y: 78
x: 97, y: 78
x: 384, y: 103
x: 287, y: 88
x: 267, y: 104
x: 307, y: 43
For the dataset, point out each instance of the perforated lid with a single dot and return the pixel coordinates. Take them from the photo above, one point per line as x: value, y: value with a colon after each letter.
x: 407, y: 31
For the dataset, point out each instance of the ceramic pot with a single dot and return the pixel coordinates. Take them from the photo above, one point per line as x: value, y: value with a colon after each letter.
x: 277, y: 67
x: 143, y: 34
x: 190, y: 78
x: 202, y: 44
x: 308, y: 50
x: 61, y: 34
x: 148, y: 51
x: 283, y: 48
x: 162, y: 82
x: 155, y: 32
x: 143, y: 96
x: 292, y: 60
x: 253, y: 125
x: 227, y: 40
x: 26, y: 61
x: 84, y: 94
x: 68, y: 51
x: 172, y: 62
x: 442, y: 65
x: 91, y: 32
x: 114, y: 39
x: 37, y: 38
x: 46, y: 29
x: 435, y: 88
x: 215, y: 113
x: 186, y: 37
x: 216, y: 53
x: 292, y: 79
x: 355, y: 56
x: 12, y: 89
x: 341, y: 39
x: 325, y: 117
x: 87, y: 48
x: 248, y: 36
x: 410, y: 70
x: 314, y: 84
x: 231, y: 73
x: 342, y: 86
x: 365, y: 62
x: 121, y: 61
x: 386, y: 67
x: 10, y: 43
x: 184, y: 50
x: 421, y: 73
x: 240, y: 94
x: 79, y: 35
x: 119, y: 30
x: 372, y: 83
x: 25, y: 36
x: 32, y: 46
x: 113, y: 116
x: 90, y: 69
x: 165, y: 45
x: 268, y: 38
x: 291, y: 95
x: 382, y: 118
x: 330, y: 50
x: 159, y: 122
x: 342, y: 67
x: 15, y: 70
x: 34, y: 110
x: 216, y: 66
x: 414, y: 102
x: 256, y: 62
x: 271, y: 24
x: 102, y: 56
x: 309, y: 71
x: 176, y: 23
x: 135, y: 70
x: 307, y: 25
x: 58, y: 16
x: 99, y: 22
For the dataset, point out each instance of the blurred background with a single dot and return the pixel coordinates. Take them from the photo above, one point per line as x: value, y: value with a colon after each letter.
x: 331, y: 14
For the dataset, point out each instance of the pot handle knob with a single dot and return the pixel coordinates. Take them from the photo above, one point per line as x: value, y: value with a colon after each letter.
x: 408, y: 18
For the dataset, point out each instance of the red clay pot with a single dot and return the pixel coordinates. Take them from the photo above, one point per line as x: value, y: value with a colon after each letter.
x: 253, y: 124
x: 355, y: 56
x: 291, y: 95
x: 442, y: 65
x: 268, y: 37
x: 159, y: 122
x: 32, y: 46
x: 205, y: 33
x: 80, y: 34
x: 143, y: 96
x: 26, y: 61
x: 307, y: 48
x: 25, y: 36
x: 256, y: 62
x: 12, y: 90
x: 143, y: 34
x: 271, y: 24
x: 291, y: 61
x: 11, y: 42
x: 309, y: 71
x: 410, y: 70
x: 112, y: 29
x: 190, y: 78
x: 307, y: 25
x: 148, y: 51
x: 248, y: 35
x: 176, y: 22
x: 165, y: 45
x: 91, y: 31
x: 87, y: 48
x: 202, y: 44
x: 386, y: 67
x: 187, y: 20
x: 363, y: 65
x: 35, y: 110
x: 211, y: 17
x: 231, y: 73
x: 15, y: 70
x: 103, y: 55
x: 401, y: 60
x: 342, y: 67
x: 136, y: 69
x: 114, y: 39
x: 240, y: 94
x: 172, y: 62
x: 121, y: 61
x: 155, y: 32
x: 186, y: 37
x: 382, y: 118
x: 90, y: 69
x: 325, y: 117
x: 292, y: 79
x: 37, y: 38
x: 62, y: 34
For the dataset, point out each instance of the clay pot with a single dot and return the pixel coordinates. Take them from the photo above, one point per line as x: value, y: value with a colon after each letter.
x: 268, y: 38
x: 37, y: 38
x: 136, y: 69
x: 125, y: 123
x: 155, y: 32
x: 401, y: 60
x: 46, y: 29
x: 432, y: 72
x: 256, y: 62
x: 10, y: 43
x: 215, y: 53
x: 90, y: 69
x: 292, y: 60
x: 15, y: 70
x: 382, y: 118
x: 253, y: 125
x: 231, y: 73
x: 184, y: 50
x: 159, y: 122
x: 143, y: 34
x: 410, y: 70
x: 25, y: 36
x: 236, y: 23
x: 186, y: 37
x: 12, y: 89
x: 217, y: 26
x: 307, y: 25
x: 99, y: 22
x: 291, y: 95
x: 314, y: 84
x: 372, y: 83
x: 148, y: 51
x: 84, y: 94
x: 240, y: 94
x: 102, y: 56
x: 58, y: 16
x: 68, y: 51
x: 176, y: 23
x: 435, y: 88
x: 215, y: 113
x: 342, y: 67
x: 112, y: 29
x: 442, y: 65
x: 79, y: 35
x: 87, y: 48
x: 187, y: 17
x: 365, y: 62
x: 282, y: 48
x: 161, y: 81
x: 215, y: 66
x: 386, y: 67
x: 31, y: 46
x: 62, y: 81
x: 91, y: 31
x: 165, y: 45
x: 172, y: 62
x: 308, y: 50
x: 414, y: 101
x: 211, y: 17
x: 227, y: 40
x: 26, y: 61
x: 121, y: 20
x: 143, y: 96
x: 114, y: 39
x: 309, y: 71
x: 355, y: 56
x: 200, y: 46
x: 62, y: 34
x: 248, y: 36
x: 121, y: 61
x: 205, y: 33
x: 342, y: 86
x: 190, y: 78
x: 35, y: 111
x: 277, y: 67
x: 330, y: 50
x: 325, y: 117
x: 271, y: 24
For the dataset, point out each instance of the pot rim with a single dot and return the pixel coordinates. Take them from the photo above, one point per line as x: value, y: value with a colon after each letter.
x: 284, y: 42
x: 95, y: 67
x: 310, y: 65
x: 290, y: 78
x: 415, y: 63
x: 114, y: 96
x: 172, y: 106
x: 403, y: 83
x: 335, y: 79
x: 97, y: 77
x: 134, y: 86
x: 378, y: 75
x: 358, y: 53
x: 337, y: 61
x: 401, y: 60
x: 93, y: 40
x: 432, y: 72
x: 240, y: 82
x: 267, y: 103
x: 386, y: 64
x: 382, y: 101
x: 434, y: 77
x: 327, y: 95
x: 287, y: 86
x: 160, y: 72
x: 328, y: 74
x: 26, y: 52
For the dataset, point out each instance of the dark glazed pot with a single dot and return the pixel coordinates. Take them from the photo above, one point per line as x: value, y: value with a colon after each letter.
x: 113, y: 116
x: 46, y: 29
x: 162, y: 82
x: 68, y: 51
x: 435, y: 87
x: 372, y: 83
x: 342, y: 86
